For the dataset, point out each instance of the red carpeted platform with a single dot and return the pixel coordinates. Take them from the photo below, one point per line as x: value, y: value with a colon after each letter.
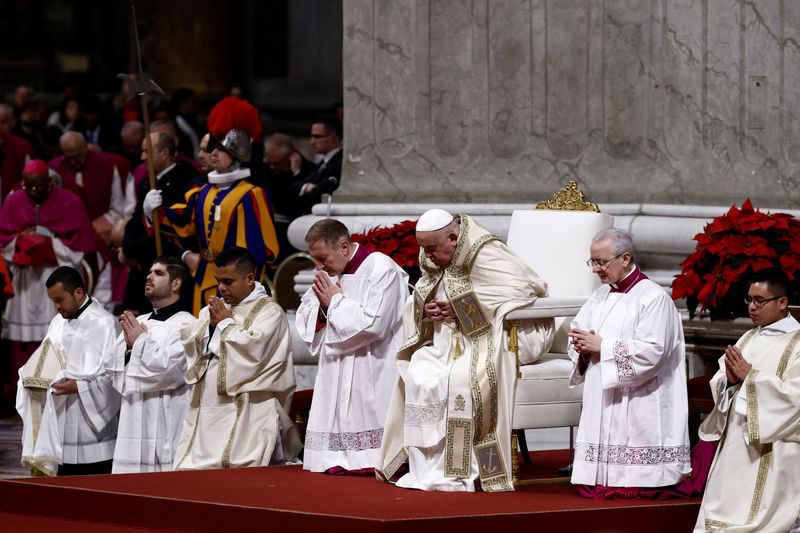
x: 287, y: 498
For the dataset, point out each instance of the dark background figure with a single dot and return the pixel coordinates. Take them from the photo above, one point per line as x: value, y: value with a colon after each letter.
x: 326, y: 140
x: 286, y: 171
x: 184, y: 108
x: 173, y: 179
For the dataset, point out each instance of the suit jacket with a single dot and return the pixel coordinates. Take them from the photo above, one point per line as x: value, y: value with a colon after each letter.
x: 326, y: 177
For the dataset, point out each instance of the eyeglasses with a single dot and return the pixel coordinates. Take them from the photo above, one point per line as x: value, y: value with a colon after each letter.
x: 34, y: 188
x: 759, y: 302
x: 600, y: 263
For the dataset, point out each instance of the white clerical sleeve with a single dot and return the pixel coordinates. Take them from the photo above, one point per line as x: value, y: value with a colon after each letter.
x: 130, y: 196
x: 354, y: 322
x: 116, y: 207
x: 157, y: 362
x: 713, y: 425
x: 306, y: 323
x: 9, y: 249
x: 99, y: 399
x: 634, y: 361
x: 581, y: 321
x: 65, y: 255
x: 773, y: 406
x: 260, y: 351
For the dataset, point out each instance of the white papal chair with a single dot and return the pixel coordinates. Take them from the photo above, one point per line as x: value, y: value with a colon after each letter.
x: 554, y: 239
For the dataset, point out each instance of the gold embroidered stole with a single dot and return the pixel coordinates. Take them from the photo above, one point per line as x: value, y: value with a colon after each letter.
x: 752, y: 429
x: 225, y: 460
x: 472, y: 389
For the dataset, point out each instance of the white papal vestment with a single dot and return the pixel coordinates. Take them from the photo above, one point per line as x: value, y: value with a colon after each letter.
x: 154, y: 395
x: 243, y: 384
x: 754, y: 482
x: 633, y: 430
x: 76, y: 428
x: 356, y: 349
x: 450, y: 415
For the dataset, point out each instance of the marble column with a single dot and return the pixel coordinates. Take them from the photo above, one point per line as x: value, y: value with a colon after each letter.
x: 658, y: 101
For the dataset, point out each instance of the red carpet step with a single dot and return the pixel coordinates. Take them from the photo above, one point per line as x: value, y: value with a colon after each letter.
x: 256, y: 499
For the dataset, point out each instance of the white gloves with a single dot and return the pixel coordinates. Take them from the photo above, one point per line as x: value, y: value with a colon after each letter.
x: 152, y: 201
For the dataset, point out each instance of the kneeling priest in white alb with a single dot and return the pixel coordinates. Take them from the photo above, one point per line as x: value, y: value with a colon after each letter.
x: 754, y: 483
x: 628, y: 349
x: 148, y: 370
x: 450, y: 415
x: 241, y: 367
x: 354, y: 326
x: 65, y: 396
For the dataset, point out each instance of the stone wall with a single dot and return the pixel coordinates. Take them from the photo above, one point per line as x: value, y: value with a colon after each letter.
x: 665, y: 101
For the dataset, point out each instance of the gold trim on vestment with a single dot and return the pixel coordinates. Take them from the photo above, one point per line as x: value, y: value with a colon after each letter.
x: 37, y: 381
x: 394, y: 464
x: 715, y: 526
x: 753, y: 429
x: 570, y: 198
x: 222, y: 369
x: 189, y: 446
x: 457, y: 452
x: 226, y: 454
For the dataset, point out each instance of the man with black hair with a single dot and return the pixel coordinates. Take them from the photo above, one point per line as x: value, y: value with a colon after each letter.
x: 148, y: 368
x: 173, y: 179
x: 65, y: 396
x: 240, y: 365
x: 326, y: 139
x: 754, y: 483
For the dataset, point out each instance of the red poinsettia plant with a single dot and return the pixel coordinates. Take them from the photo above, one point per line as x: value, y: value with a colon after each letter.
x: 731, y: 248
x: 398, y: 242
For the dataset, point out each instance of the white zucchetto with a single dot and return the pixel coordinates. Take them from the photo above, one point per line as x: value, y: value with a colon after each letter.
x: 434, y: 219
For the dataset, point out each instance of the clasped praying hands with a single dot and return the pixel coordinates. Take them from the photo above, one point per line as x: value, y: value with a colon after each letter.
x: 131, y: 328
x: 439, y: 311
x: 324, y: 289
x: 217, y: 311
x: 736, y: 366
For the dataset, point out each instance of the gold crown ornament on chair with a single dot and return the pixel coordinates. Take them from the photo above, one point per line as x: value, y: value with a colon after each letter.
x: 570, y: 198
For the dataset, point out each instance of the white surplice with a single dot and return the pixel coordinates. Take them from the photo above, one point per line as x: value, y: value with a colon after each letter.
x: 633, y: 430
x: 754, y: 482
x: 154, y: 395
x: 356, y: 350
x: 29, y: 312
x: 243, y: 385
x: 77, y: 428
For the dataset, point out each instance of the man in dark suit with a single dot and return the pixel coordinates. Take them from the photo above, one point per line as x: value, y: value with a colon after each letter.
x: 173, y: 179
x: 326, y: 139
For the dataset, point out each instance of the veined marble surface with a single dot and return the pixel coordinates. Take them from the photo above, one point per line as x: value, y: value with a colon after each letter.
x: 659, y: 101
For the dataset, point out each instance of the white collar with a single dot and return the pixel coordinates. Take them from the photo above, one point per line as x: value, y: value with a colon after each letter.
x: 257, y: 292
x: 780, y: 327
x: 165, y: 171
x: 327, y: 157
x: 222, y: 179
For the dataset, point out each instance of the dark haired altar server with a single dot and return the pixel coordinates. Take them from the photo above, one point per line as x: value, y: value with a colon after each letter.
x: 353, y: 324
x: 65, y: 397
x: 754, y: 484
x: 241, y: 368
x: 148, y: 368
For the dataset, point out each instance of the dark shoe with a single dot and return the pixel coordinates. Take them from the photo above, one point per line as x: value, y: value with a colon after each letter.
x: 566, y: 471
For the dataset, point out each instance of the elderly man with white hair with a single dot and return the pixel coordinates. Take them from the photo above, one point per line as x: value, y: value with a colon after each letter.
x: 628, y: 349
x: 450, y: 415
